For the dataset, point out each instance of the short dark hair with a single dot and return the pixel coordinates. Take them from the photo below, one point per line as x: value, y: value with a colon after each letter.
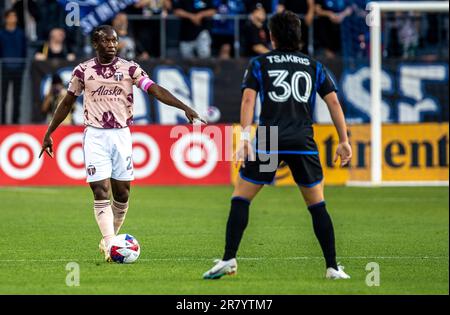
x: 96, y: 32
x: 285, y: 28
x: 8, y: 12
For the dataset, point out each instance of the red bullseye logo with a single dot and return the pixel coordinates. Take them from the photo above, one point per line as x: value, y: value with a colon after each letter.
x: 70, y: 156
x: 146, y: 155
x: 141, y: 155
x: 74, y: 155
x: 195, y: 155
x: 19, y: 156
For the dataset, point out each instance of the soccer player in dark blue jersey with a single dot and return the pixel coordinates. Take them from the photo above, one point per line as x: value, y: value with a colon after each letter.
x: 287, y: 82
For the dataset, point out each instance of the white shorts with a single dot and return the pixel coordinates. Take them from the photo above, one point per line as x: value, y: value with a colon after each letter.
x: 107, y: 154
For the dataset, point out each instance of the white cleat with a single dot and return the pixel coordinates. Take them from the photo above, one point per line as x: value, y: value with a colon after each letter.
x: 104, y: 250
x: 222, y: 267
x: 336, y: 274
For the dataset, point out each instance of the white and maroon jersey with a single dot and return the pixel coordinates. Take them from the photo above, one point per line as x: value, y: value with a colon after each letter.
x: 108, y: 91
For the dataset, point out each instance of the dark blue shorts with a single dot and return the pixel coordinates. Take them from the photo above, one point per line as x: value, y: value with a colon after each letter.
x: 305, y: 168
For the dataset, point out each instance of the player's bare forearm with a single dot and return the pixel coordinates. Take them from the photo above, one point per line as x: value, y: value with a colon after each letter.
x: 166, y: 97
x: 343, y: 150
x: 247, y: 108
x: 61, y: 112
x: 337, y: 115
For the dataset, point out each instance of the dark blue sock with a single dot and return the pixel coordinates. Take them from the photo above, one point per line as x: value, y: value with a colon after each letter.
x: 323, y: 228
x: 237, y: 222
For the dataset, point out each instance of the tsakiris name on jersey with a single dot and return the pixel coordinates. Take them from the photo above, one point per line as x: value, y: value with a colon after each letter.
x: 288, y: 58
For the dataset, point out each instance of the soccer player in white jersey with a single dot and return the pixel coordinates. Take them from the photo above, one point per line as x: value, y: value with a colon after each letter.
x: 107, y: 82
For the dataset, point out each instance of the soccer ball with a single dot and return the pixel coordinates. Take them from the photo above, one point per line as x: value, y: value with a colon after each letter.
x: 124, y: 249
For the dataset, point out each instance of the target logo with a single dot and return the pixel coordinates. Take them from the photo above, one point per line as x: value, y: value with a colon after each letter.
x: 70, y: 156
x: 195, y: 155
x: 159, y: 155
x: 146, y: 155
x: 19, y: 156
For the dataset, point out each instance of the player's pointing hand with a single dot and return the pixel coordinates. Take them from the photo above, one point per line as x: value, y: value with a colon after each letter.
x: 47, y: 146
x: 192, y: 115
x: 344, y: 151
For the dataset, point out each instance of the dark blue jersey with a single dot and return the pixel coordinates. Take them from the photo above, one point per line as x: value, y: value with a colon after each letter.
x: 287, y: 83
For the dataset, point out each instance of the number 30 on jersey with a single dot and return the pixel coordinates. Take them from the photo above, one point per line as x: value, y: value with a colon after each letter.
x: 292, y: 88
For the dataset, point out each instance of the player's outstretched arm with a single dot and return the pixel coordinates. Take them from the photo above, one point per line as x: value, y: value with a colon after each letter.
x: 61, y: 113
x: 344, y: 150
x: 247, y: 112
x: 247, y: 108
x: 167, y: 98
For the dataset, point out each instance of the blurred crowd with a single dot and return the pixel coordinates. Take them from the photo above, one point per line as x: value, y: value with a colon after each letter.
x: 36, y: 29
x: 206, y: 28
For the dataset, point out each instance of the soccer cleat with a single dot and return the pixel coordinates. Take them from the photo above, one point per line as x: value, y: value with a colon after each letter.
x: 336, y: 274
x: 104, y: 250
x: 222, y: 267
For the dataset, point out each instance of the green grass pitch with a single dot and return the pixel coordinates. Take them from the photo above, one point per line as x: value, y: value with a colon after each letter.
x: 181, y: 229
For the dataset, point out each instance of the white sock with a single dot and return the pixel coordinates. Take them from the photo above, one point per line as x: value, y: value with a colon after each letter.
x: 119, y: 210
x: 105, y: 219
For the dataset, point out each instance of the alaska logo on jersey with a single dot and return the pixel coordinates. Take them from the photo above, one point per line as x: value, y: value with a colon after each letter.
x: 108, y: 98
x: 103, y: 90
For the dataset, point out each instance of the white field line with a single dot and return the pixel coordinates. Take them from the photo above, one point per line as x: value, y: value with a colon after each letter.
x: 240, y: 258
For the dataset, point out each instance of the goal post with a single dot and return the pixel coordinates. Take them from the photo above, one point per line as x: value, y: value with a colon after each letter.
x: 374, y: 21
